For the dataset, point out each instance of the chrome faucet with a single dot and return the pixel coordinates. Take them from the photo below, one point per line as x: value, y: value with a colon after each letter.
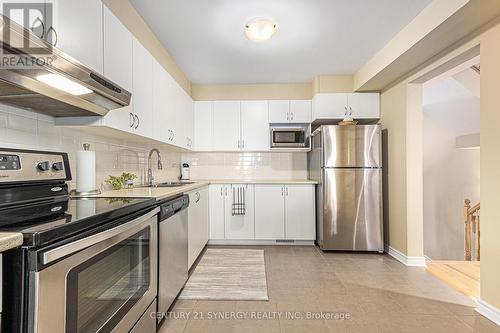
x: 160, y: 166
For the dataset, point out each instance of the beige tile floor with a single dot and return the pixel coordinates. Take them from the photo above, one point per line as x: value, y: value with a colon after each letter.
x: 379, y: 294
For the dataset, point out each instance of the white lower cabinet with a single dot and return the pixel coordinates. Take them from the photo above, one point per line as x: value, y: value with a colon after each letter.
x: 197, y: 223
x: 225, y: 225
x: 272, y: 212
x: 269, y: 212
x: 239, y: 224
x: 216, y: 204
x: 300, y: 212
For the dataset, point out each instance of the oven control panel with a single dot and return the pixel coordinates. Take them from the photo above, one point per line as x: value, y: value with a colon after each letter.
x: 30, y: 166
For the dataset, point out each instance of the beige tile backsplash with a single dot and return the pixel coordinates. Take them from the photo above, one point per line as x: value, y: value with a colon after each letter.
x: 29, y: 130
x: 260, y: 166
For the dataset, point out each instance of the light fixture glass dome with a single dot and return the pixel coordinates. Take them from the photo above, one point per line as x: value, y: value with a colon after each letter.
x: 260, y: 29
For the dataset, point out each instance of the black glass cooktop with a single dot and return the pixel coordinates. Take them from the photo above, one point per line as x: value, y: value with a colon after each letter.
x: 46, y: 222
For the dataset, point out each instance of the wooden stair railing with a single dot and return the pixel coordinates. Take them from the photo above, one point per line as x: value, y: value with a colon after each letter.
x: 472, y: 225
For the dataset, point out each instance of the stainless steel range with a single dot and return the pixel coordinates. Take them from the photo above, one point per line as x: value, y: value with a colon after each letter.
x: 86, y: 265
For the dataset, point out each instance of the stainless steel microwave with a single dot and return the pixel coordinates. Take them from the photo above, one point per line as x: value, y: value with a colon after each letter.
x: 286, y: 136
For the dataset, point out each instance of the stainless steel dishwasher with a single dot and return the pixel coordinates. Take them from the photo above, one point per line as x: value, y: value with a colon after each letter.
x: 173, y: 251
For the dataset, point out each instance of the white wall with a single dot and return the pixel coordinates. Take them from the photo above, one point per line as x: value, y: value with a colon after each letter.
x: 450, y: 174
x: 29, y: 130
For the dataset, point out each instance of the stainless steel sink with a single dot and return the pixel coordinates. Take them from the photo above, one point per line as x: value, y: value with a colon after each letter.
x: 170, y: 184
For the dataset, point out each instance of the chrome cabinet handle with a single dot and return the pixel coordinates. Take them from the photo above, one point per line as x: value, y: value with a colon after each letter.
x: 291, y: 115
x: 132, y: 120
x: 32, y: 28
x: 350, y: 108
x: 282, y: 191
x: 288, y: 116
x: 286, y: 189
x: 345, y: 112
x: 198, y: 196
x: 51, y: 29
x: 138, y: 121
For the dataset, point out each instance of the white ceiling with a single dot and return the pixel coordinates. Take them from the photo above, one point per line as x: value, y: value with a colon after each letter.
x: 205, y: 37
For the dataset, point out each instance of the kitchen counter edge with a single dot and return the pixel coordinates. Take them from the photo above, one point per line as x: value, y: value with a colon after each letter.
x: 10, y: 240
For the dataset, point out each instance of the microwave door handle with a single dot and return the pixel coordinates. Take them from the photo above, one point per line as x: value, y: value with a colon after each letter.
x: 84, y: 243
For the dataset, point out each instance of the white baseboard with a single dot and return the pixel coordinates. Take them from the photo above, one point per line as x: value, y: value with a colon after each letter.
x: 252, y: 242
x: 489, y: 311
x: 404, y: 259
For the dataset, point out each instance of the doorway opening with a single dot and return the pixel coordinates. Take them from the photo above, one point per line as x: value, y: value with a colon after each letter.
x: 451, y: 164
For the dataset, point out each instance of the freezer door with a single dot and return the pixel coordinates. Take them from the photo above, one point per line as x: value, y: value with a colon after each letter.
x: 352, y: 210
x: 351, y: 146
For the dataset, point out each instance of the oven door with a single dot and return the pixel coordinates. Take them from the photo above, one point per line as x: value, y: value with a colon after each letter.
x: 288, y: 137
x: 102, y: 283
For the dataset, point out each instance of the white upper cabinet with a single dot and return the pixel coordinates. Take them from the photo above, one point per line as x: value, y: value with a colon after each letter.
x: 162, y: 104
x: 77, y: 29
x: 254, y: 126
x: 300, y: 212
x: 329, y: 106
x: 203, y: 126
x: 118, y: 64
x: 364, y: 105
x: 142, y: 97
x: 300, y: 111
x: 188, y: 121
x: 294, y: 111
x: 118, y: 43
x: 338, y: 106
x: 279, y: 111
x: 226, y: 125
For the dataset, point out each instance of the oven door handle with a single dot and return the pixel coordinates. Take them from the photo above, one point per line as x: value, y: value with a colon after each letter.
x: 84, y: 243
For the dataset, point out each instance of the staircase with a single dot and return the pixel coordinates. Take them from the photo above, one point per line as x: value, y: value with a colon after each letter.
x: 472, y: 228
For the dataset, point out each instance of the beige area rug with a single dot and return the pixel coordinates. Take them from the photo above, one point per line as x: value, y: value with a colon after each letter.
x: 228, y: 274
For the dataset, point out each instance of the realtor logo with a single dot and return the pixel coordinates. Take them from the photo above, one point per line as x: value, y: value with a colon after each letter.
x: 34, y: 17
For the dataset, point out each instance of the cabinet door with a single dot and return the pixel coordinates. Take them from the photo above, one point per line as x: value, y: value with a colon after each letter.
x: 197, y: 223
x: 254, y: 126
x: 364, y: 105
x: 226, y: 120
x: 77, y: 30
x: 300, y: 111
x: 216, y: 209
x: 300, y: 212
x: 161, y: 104
x: 279, y: 111
x: 178, y: 114
x: 203, y: 126
x: 117, y: 51
x: 239, y: 224
x: 269, y: 212
x: 329, y: 106
x: 142, y: 97
x: 189, y: 121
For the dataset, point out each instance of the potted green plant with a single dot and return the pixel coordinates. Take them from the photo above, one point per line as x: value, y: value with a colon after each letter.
x: 128, y: 179
x: 116, y: 182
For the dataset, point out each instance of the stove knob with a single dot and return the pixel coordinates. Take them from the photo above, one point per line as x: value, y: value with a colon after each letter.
x: 43, y: 166
x: 58, y: 166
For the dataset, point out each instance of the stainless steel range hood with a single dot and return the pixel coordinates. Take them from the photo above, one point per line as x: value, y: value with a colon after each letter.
x: 23, y: 78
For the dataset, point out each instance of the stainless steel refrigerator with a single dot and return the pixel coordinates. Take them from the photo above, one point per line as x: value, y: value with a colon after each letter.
x: 346, y: 162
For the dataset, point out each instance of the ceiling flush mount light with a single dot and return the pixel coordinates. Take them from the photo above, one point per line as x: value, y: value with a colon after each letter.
x: 260, y: 29
x: 62, y: 83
